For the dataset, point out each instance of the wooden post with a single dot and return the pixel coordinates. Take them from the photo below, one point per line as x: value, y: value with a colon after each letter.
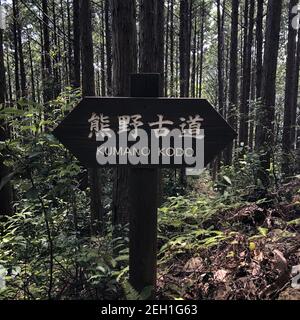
x: 143, y: 180
x: 143, y: 204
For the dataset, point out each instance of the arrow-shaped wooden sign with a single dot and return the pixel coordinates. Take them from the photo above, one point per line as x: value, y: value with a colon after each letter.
x: 93, y: 131
x: 145, y: 134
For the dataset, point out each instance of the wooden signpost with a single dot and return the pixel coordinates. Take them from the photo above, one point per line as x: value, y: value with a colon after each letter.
x: 145, y: 133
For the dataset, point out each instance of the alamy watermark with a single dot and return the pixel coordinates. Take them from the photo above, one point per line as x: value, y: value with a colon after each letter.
x: 166, y: 142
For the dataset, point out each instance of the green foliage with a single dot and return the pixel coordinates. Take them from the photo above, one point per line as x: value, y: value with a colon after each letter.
x: 186, y: 224
x: 45, y: 248
x: 241, y: 177
x: 131, y: 294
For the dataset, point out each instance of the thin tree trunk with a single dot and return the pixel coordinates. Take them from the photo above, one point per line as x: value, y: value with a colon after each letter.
x: 16, y: 57
x: 76, y: 43
x: 198, y: 57
x: 172, y: 78
x: 10, y: 94
x: 65, y: 50
x: 201, y: 48
x: 252, y: 113
x: 295, y: 105
x: 297, y: 121
x: 220, y: 58
x: 70, y: 47
x: 97, y: 76
x: 20, y: 51
x: 167, y: 47
x: 259, y: 46
x: 161, y: 41
x: 259, y: 60
x: 102, y: 51
x: 220, y: 22
x: 268, y: 95
x: 162, y: 71
x: 88, y: 89
x: 226, y: 78
x: 177, y: 69
x: 47, y: 72
x: 56, y: 70
x: 289, y: 104
x: 185, y: 58
x: 108, y: 47
x: 185, y: 46
x: 233, y: 75
x: 246, y: 80
x: 31, y: 72
x: 6, y: 208
x: 194, y: 51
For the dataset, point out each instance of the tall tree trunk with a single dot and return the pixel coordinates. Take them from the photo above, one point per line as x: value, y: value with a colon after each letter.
x: 289, y: 104
x: 10, y: 94
x: 220, y: 22
x: 298, y: 147
x: 220, y: 58
x: 172, y: 51
x: 108, y: 47
x: 88, y: 89
x: 152, y: 46
x: 259, y: 46
x: 70, y: 47
x: 102, y: 51
x: 185, y: 46
x: 161, y: 40
x: 16, y: 56
x: 185, y: 58
x: 56, y: 69
x: 297, y: 121
x: 97, y: 76
x: 233, y: 75
x: 252, y: 113
x: 31, y: 72
x: 6, y: 192
x: 20, y: 49
x: 160, y: 69
x: 259, y: 60
x: 65, y: 67
x: 246, y: 80
x: 42, y: 66
x: 203, y: 8
x: 124, y: 47
x: 151, y: 36
x: 167, y: 47
x: 295, y: 105
x: 22, y: 66
x: 194, y: 52
x: 76, y: 43
x: 177, y: 69
x: 47, y: 72
x: 268, y: 93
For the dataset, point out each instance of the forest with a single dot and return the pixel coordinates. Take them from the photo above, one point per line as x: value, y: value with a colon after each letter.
x: 230, y: 233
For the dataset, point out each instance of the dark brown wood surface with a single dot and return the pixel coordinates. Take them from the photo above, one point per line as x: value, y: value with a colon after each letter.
x: 143, y: 189
x: 74, y: 130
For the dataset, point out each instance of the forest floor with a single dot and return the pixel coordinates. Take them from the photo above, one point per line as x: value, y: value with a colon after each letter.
x: 250, y: 251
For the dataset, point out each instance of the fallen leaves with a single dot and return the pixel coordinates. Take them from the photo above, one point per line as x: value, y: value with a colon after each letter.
x: 220, y: 275
x: 254, y: 262
x: 296, y: 277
